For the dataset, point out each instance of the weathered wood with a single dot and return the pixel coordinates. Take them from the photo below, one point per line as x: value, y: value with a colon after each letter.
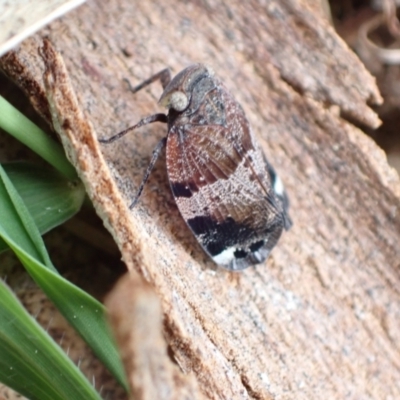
x: 135, y: 313
x: 20, y: 19
x: 321, y: 318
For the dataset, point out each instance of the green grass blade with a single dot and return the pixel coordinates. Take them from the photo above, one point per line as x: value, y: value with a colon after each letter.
x: 50, y: 198
x: 83, y: 312
x: 17, y: 222
x: 17, y: 125
x: 31, y: 362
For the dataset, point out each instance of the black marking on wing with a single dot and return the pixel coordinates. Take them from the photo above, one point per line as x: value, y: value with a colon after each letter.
x: 257, y: 245
x: 217, y: 237
x: 181, y: 189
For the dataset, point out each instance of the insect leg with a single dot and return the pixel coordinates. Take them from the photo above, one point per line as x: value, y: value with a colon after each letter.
x: 142, y: 122
x: 156, y: 152
x: 164, y: 76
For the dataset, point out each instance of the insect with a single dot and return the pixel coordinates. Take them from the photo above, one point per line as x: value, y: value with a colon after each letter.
x: 224, y: 187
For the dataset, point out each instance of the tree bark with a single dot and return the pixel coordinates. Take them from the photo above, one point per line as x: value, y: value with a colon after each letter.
x: 321, y: 317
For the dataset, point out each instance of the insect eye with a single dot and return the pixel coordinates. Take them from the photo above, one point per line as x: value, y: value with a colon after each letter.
x: 178, y: 101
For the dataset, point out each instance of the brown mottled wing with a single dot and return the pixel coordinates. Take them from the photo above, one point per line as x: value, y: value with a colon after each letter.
x: 222, y: 184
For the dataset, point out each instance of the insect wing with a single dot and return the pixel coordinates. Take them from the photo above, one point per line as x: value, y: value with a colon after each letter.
x: 222, y: 184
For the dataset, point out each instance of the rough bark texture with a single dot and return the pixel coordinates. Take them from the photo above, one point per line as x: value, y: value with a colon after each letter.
x: 136, y: 316
x: 321, y: 318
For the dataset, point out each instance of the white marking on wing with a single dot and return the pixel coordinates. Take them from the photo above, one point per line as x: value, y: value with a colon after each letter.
x: 278, y: 186
x: 225, y: 257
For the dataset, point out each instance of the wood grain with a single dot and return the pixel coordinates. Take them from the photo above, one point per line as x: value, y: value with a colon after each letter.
x: 321, y: 318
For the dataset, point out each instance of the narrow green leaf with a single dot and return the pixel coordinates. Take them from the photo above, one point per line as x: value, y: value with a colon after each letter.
x: 31, y: 362
x: 17, y: 222
x: 50, y: 198
x: 83, y: 312
x: 17, y: 125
